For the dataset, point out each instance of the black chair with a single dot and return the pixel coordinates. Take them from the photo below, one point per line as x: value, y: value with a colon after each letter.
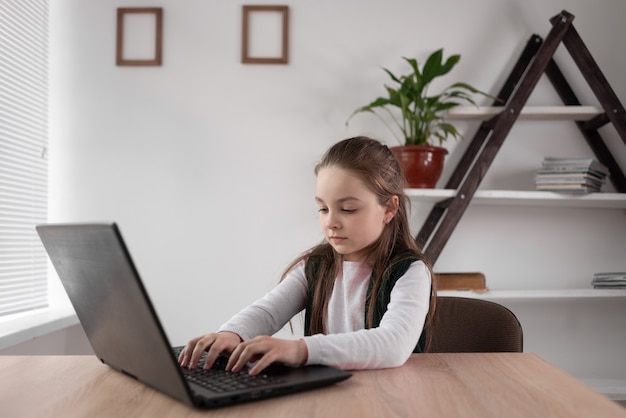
x: 465, y: 325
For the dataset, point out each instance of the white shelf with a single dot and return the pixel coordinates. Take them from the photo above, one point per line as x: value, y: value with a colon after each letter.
x: 577, y: 113
x: 537, y: 294
x: 526, y: 198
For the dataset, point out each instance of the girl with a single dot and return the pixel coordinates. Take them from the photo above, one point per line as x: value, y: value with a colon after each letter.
x: 366, y: 288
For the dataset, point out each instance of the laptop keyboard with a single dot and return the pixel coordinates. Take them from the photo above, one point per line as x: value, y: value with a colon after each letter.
x: 219, y: 380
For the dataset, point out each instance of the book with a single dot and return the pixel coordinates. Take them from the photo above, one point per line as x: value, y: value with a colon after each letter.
x: 609, y: 280
x: 621, y: 275
x: 546, y: 174
x: 585, y: 181
x: 620, y: 285
x: 474, y: 281
x: 565, y: 164
x: 567, y: 187
x: 575, y: 171
x: 571, y: 175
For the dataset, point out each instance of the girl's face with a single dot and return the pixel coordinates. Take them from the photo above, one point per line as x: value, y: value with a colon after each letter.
x: 349, y: 213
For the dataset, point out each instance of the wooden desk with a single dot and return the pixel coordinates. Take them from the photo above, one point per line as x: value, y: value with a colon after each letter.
x: 429, y: 385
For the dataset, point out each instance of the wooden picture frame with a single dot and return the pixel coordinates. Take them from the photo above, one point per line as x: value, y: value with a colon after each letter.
x: 156, y: 57
x: 247, y: 56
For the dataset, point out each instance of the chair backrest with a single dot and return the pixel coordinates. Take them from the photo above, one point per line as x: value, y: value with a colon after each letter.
x: 465, y: 325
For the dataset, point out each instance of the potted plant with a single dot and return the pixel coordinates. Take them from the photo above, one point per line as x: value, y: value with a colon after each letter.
x: 423, y: 125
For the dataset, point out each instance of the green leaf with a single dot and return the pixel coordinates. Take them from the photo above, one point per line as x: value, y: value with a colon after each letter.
x: 449, y: 129
x: 450, y: 63
x: 418, y: 117
x: 379, y: 102
x: 432, y: 68
x: 394, y: 97
x: 446, y: 106
x: 416, y: 71
x: 393, y: 77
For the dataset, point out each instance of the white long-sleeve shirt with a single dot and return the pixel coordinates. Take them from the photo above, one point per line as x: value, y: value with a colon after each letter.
x: 348, y: 344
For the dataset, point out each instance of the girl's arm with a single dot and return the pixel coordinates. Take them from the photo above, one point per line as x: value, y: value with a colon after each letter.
x: 268, y: 315
x: 391, y: 343
x: 264, y: 317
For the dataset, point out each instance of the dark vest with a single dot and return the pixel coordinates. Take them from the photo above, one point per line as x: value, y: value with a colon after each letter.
x: 383, y: 297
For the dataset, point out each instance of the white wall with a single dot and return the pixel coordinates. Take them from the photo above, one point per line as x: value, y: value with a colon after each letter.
x: 206, y: 163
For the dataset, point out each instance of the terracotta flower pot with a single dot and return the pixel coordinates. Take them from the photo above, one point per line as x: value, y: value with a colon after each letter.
x: 422, y: 164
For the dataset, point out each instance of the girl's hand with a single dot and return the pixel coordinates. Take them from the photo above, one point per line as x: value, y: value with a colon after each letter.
x: 267, y: 350
x: 214, y: 344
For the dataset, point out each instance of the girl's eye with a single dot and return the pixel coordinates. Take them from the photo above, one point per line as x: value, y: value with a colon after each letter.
x: 323, y: 210
x: 348, y: 210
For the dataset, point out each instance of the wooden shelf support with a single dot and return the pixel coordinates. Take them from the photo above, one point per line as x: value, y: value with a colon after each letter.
x: 536, y: 59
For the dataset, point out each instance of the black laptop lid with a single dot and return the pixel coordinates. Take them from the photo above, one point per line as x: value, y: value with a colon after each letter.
x: 112, y: 305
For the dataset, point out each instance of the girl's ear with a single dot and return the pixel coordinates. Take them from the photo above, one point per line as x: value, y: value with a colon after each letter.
x: 391, y: 208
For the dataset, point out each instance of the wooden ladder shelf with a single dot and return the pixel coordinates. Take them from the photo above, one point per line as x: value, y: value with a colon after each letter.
x: 535, y: 60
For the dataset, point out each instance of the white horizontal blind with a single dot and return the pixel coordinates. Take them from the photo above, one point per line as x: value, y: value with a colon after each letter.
x: 23, y: 142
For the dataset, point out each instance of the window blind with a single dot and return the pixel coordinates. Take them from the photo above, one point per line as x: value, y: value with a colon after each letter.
x: 23, y: 144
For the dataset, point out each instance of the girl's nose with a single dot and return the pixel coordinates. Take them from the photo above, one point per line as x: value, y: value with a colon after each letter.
x: 331, y: 221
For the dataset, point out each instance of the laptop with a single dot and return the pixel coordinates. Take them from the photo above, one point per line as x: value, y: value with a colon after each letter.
x: 125, y: 333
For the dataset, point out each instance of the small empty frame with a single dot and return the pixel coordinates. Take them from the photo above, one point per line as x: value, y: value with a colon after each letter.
x: 139, y: 36
x: 265, y: 37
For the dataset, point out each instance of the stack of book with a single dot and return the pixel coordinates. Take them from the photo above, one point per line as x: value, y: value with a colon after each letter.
x: 571, y: 175
x: 615, y: 280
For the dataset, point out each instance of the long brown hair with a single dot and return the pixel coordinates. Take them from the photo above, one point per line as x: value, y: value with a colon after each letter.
x: 379, y: 170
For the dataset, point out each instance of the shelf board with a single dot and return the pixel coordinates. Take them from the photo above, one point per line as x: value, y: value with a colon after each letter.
x: 526, y: 198
x: 577, y: 113
x: 537, y: 294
